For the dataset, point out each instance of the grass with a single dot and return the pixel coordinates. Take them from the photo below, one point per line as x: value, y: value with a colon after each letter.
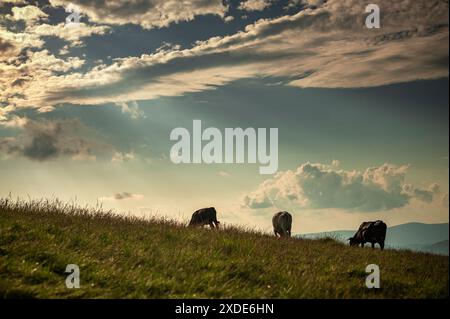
x: 126, y: 257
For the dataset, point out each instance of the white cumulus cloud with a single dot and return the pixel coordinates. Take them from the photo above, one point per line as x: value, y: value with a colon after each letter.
x: 318, y: 186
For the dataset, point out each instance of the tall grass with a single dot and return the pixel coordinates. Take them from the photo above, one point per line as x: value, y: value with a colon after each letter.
x: 132, y: 257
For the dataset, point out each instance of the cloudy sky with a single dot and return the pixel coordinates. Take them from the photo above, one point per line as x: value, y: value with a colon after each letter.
x: 86, y: 108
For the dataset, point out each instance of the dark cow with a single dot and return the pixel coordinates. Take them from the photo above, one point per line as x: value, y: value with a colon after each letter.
x: 205, y: 216
x: 370, y: 232
x: 282, y: 223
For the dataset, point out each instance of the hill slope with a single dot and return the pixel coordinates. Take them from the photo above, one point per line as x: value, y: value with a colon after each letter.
x: 130, y: 258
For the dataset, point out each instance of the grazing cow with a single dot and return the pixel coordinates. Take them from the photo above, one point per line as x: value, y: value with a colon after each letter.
x: 282, y: 223
x: 205, y: 216
x: 370, y: 232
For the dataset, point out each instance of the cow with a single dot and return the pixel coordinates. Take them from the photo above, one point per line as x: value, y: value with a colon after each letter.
x: 282, y: 223
x: 205, y: 216
x: 370, y: 232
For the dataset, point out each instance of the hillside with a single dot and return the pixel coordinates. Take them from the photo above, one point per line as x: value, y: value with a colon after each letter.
x: 122, y: 257
x: 413, y: 236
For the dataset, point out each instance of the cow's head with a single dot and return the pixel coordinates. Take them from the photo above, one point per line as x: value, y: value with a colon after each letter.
x: 353, y: 241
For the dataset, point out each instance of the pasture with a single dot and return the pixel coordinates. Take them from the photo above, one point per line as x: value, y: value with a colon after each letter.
x: 125, y: 257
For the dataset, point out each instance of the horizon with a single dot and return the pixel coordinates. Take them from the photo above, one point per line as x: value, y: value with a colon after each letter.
x: 338, y: 230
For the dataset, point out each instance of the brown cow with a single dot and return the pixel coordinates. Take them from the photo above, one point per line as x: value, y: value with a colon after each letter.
x: 205, y: 216
x: 282, y: 223
x: 370, y: 232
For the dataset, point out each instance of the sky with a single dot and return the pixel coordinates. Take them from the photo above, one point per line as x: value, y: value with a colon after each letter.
x: 87, y: 106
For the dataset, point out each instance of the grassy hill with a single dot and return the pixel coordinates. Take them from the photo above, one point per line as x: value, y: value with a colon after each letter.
x: 123, y: 257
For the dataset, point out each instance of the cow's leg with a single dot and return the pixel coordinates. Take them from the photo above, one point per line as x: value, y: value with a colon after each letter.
x: 382, y: 245
x: 211, y: 224
x: 362, y: 245
x: 373, y: 245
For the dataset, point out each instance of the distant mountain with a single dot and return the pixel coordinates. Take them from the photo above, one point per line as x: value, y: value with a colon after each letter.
x: 417, y: 233
x: 438, y: 248
x: 414, y: 236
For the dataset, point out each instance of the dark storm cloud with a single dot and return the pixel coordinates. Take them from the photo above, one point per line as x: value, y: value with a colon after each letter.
x: 47, y: 140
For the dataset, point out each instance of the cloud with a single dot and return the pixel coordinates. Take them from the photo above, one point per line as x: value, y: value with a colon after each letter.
x: 5, y: 46
x: 120, y: 157
x: 126, y: 195
x: 29, y: 14
x: 69, y: 32
x: 426, y: 195
x: 48, y: 140
x: 14, y: 122
x: 9, y: 42
x: 445, y: 200
x: 307, y: 3
x: 335, y: 163
x: 24, y: 74
x: 131, y: 108
x: 15, y: 42
x: 324, y: 46
x: 35, y: 28
x: 123, y: 196
x: 319, y: 186
x: 224, y: 174
x: 228, y: 19
x: 254, y: 5
x: 146, y: 13
x: 14, y: 1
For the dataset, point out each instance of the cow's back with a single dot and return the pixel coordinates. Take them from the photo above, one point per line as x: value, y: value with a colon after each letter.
x: 379, y: 229
x: 372, y: 231
x: 204, y: 216
x: 362, y: 230
x: 282, y: 222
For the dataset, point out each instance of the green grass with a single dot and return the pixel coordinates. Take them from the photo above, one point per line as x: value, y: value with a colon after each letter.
x: 123, y: 257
